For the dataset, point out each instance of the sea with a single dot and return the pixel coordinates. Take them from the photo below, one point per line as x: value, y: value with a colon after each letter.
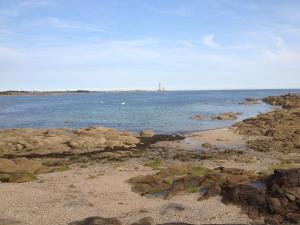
x: 163, y: 112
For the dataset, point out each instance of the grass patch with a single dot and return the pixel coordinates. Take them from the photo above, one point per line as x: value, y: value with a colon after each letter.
x: 199, y: 171
x: 91, y: 177
x: 155, y: 165
x: 192, y: 189
x: 22, y: 176
x: 169, y: 180
x: 61, y: 168
x: 53, y: 163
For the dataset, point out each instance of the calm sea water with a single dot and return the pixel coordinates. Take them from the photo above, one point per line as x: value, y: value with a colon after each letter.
x: 163, y: 112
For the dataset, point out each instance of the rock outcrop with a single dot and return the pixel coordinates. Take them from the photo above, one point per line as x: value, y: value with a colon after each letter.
x: 226, y: 116
x: 278, y: 130
x: 30, y: 142
x: 221, y: 116
x: 250, y: 101
x: 286, y: 101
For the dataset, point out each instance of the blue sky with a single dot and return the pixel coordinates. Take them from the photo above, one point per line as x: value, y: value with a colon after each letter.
x: 135, y: 44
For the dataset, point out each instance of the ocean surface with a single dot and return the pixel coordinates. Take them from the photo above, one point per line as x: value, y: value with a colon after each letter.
x: 163, y: 112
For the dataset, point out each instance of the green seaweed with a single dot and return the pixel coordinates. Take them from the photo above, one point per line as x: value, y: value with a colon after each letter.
x: 61, y: 168
x: 155, y: 165
x: 199, y: 171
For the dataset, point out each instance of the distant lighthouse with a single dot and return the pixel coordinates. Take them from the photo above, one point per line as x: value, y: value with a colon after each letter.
x: 160, y: 88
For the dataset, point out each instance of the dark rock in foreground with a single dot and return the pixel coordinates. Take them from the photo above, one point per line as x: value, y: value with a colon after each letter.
x: 275, y: 198
x: 114, y: 221
x: 97, y: 221
x: 278, y: 202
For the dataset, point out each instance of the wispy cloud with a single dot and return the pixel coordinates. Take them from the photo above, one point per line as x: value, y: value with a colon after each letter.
x: 6, y: 32
x: 181, y: 10
x: 186, y: 43
x: 185, y: 12
x: 127, y: 59
x: 9, y: 12
x: 209, y: 41
x: 65, y: 24
x: 35, y: 3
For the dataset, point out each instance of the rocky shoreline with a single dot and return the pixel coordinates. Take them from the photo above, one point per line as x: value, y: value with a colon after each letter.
x: 254, y: 165
x: 40, y: 93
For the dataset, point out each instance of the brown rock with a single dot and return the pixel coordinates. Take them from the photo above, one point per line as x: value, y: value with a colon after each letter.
x: 199, y: 117
x: 207, y: 145
x: 250, y: 101
x: 226, y: 116
x: 22, y: 176
x: 97, y: 221
x: 25, y: 142
x: 7, y: 166
x: 275, y: 205
x: 147, y: 133
x: 145, y: 221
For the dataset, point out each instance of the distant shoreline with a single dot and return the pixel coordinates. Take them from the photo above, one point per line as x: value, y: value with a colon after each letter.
x: 45, y: 93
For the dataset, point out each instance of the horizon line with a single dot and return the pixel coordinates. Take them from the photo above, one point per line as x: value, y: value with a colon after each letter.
x: 150, y: 90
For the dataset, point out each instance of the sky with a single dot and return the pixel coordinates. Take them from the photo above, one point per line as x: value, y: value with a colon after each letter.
x: 135, y: 44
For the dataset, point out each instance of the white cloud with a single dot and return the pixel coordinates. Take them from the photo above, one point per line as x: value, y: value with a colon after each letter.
x: 148, y: 58
x: 65, y: 24
x: 186, y: 43
x: 209, y: 41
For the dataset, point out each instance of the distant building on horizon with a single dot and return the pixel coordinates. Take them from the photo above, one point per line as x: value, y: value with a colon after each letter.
x: 160, y: 88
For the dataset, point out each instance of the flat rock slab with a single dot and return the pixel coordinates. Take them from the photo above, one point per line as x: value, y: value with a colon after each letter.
x: 29, y: 142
